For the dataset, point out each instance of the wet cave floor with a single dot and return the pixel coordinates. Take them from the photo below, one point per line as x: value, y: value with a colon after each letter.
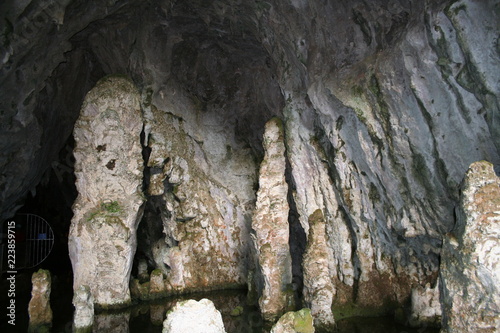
x: 149, y: 316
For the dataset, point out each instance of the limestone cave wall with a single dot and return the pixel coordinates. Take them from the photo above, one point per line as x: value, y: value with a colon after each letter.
x: 384, y: 105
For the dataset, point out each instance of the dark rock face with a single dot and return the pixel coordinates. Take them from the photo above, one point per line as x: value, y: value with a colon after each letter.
x: 385, y: 105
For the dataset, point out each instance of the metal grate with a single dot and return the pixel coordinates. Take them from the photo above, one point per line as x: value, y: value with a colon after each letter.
x: 39, y: 239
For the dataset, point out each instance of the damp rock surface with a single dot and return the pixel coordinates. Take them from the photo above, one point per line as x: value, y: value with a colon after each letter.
x: 318, y: 287
x: 194, y: 317
x: 108, y: 167
x: 39, y: 309
x: 385, y: 105
x: 270, y: 223
x: 83, y: 301
x: 295, y: 322
x: 425, y: 306
x: 470, y: 275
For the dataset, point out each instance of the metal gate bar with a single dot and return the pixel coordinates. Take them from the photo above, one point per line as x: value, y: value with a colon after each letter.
x: 39, y: 240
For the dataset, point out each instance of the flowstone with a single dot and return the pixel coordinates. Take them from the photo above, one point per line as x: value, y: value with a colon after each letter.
x: 470, y: 274
x: 109, y: 171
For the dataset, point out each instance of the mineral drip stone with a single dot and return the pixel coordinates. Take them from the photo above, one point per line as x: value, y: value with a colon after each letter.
x: 470, y: 270
x: 194, y: 317
x: 83, y: 302
x: 109, y: 172
x: 39, y: 309
x: 270, y: 223
x: 318, y: 290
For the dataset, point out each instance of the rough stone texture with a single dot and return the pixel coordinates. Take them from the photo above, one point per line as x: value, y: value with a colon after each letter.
x: 470, y: 274
x: 108, y: 167
x: 156, y: 284
x: 425, y: 307
x: 39, y: 309
x: 83, y: 301
x: 295, y: 322
x: 386, y: 104
x: 194, y: 317
x: 207, y: 198
x: 377, y: 143
x: 318, y: 285
x: 270, y: 223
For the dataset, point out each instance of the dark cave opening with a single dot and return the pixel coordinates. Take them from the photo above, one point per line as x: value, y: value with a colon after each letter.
x: 298, y: 238
x: 52, y: 199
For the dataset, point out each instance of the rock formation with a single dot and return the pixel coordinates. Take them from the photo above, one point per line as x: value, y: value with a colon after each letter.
x: 156, y: 284
x: 194, y: 317
x: 200, y: 194
x: 83, y: 318
x: 425, y: 307
x: 470, y: 274
x: 385, y: 104
x: 270, y: 223
x: 108, y: 167
x: 39, y: 309
x: 295, y: 322
x: 318, y: 286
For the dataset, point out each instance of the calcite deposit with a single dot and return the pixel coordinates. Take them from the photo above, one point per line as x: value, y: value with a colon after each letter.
x: 318, y: 286
x: 194, y: 317
x: 295, y: 322
x: 39, y: 309
x: 83, y: 317
x: 270, y: 223
x: 384, y: 104
x: 425, y: 306
x: 109, y: 171
x: 470, y: 273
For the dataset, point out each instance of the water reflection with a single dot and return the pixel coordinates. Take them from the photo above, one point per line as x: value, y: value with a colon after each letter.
x: 149, y: 317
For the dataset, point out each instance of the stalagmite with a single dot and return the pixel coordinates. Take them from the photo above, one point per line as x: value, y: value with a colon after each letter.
x: 470, y: 273
x: 270, y: 223
x: 83, y: 302
x: 109, y: 171
x: 318, y: 289
x: 39, y: 307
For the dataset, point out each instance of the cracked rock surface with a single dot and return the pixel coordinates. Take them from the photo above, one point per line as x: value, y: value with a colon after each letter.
x: 385, y: 105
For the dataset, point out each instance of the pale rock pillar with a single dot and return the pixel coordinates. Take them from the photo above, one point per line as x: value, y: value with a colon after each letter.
x: 39, y: 309
x: 318, y: 288
x: 470, y: 269
x: 109, y: 172
x: 83, y: 318
x: 270, y: 223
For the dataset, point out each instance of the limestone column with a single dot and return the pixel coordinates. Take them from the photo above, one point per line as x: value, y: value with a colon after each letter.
x: 270, y: 223
x: 39, y: 306
x: 83, y: 318
x: 109, y: 172
x: 470, y: 269
x: 318, y: 287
